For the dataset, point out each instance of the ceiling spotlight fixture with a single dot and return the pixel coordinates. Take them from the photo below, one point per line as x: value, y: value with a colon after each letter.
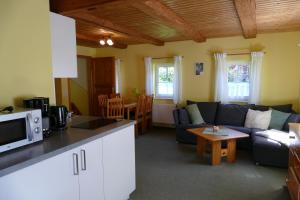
x: 109, y: 42
x: 102, y: 42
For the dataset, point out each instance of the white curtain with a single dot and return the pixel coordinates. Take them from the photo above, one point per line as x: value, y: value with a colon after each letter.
x: 177, y: 83
x: 149, y: 76
x: 118, y: 75
x: 221, y: 83
x: 255, y: 77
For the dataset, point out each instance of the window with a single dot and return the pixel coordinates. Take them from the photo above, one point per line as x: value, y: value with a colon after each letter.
x: 238, y: 81
x: 164, y: 78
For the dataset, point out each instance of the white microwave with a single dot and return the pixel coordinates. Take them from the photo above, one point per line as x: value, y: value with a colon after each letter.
x: 20, y: 128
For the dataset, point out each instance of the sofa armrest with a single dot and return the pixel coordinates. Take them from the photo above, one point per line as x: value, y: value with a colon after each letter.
x: 176, y: 117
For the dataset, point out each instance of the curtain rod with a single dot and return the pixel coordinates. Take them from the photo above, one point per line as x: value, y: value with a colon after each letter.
x: 234, y: 54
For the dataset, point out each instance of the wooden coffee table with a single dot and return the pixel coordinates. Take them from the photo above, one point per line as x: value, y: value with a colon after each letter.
x: 215, y: 140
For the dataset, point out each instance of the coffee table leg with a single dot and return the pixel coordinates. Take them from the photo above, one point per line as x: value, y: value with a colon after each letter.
x: 201, y: 143
x: 216, y: 153
x: 231, y: 151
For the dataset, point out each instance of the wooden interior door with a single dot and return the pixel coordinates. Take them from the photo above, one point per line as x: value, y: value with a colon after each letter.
x: 101, y: 81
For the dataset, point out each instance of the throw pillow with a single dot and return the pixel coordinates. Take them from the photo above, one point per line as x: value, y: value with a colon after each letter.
x: 194, y: 114
x: 208, y: 110
x: 278, y: 119
x: 258, y: 119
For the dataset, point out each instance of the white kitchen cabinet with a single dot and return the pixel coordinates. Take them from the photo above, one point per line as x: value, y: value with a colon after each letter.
x: 75, y: 175
x: 63, y: 42
x: 119, y: 164
x: 47, y: 180
x: 91, y: 171
x: 103, y: 169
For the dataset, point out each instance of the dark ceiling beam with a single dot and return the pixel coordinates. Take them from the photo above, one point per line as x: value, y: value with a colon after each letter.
x: 156, y: 8
x: 87, y: 43
x: 92, y: 41
x: 110, y: 26
x: 246, y: 10
x: 66, y: 6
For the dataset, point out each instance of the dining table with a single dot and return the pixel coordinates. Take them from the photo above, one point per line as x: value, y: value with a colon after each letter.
x: 128, y: 107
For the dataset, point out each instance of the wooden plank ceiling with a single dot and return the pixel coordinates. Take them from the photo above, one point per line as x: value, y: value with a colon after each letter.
x: 154, y: 22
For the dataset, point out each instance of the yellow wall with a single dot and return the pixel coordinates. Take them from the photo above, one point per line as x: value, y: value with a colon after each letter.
x: 25, y: 59
x: 86, y: 51
x: 25, y: 51
x: 65, y: 92
x: 79, y: 88
x: 79, y: 96
x: 280, y: 75
x: 82, y: 51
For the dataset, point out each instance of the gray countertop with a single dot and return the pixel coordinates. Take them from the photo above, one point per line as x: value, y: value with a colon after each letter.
x: 59, y: 142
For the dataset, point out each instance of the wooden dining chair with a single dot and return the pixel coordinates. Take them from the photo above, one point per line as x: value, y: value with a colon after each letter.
x: 148, y: 112
x: 102, y: 100
x: 115, y: 108
x: 114, y: 95
x: 139, y: 115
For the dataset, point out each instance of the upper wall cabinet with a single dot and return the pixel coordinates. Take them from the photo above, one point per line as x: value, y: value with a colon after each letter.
x: 63, y: 40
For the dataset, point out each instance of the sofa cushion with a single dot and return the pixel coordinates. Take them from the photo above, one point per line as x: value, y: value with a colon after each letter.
x: 258, y: 119
x: 231, y: 114
x: 208, y: 110
x: 243, y: 143
x: 183, y: 116
x: 269, y: 152
x: 255, y: 130
x: 287, y: 108
x: 266, y: 142
x: 194, y: 114
x: 276, y: 135
x: 278, y: 119
x: 293, y: 118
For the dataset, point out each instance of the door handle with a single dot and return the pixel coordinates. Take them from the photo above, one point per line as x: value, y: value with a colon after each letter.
x: 75, y: 164
x: 30, y: 121
x: 83, y: 160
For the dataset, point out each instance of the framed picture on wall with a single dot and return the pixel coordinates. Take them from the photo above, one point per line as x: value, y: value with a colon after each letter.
x: 199, y: 69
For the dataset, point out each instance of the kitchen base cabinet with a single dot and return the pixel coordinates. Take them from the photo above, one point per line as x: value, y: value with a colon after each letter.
x: 51, y: 179
x: 103, y: 169
x: 73, y: 175
x: 119, y: 164
x: 91, y: 171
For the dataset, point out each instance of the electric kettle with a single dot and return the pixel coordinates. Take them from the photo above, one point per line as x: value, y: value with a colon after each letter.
x: 58, y: 117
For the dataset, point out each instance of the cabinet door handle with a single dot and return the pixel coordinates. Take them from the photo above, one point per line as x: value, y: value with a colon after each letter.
x: 75, y: 164
x: 83, y: 160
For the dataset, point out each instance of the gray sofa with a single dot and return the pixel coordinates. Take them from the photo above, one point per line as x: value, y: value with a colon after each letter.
x: 265, y: 151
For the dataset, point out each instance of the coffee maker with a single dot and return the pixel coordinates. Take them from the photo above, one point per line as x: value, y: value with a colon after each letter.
x: 58, y: 117
x: 41, y: 103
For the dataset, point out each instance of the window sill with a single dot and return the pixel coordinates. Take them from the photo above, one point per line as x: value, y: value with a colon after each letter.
x: 237, y: 102
x: 163, y: 98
